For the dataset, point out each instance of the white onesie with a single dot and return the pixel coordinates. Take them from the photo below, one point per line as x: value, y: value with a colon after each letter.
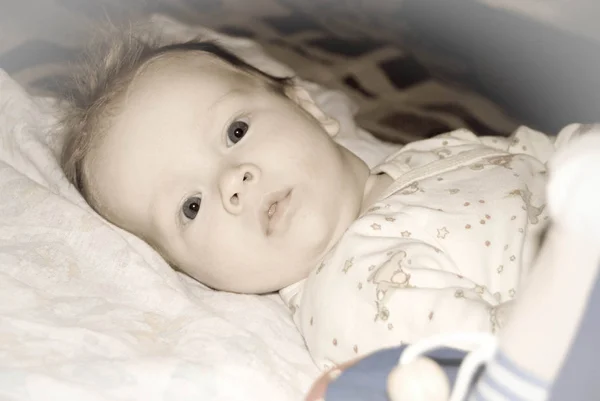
x: 447, y: 244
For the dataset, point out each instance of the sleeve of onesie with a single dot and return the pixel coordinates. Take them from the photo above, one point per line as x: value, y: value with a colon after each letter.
x: 396, y: 291
x: 421, y: 290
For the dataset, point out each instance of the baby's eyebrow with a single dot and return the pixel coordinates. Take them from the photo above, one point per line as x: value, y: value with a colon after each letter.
x: 224, y: 98
x: 207, y: 121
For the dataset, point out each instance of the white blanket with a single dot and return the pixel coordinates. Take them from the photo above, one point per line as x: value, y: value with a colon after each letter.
x: 89, y: 312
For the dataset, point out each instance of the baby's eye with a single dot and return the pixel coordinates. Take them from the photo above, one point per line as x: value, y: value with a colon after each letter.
x: 236, y: 131
x: 191, y: 207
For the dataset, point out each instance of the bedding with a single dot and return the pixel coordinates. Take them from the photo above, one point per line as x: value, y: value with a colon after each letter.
x: 89, y: 312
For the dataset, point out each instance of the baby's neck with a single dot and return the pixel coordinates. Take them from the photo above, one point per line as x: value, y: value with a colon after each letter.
x: 356, y: 186
x: 370, y: 186
x: 374, y: 187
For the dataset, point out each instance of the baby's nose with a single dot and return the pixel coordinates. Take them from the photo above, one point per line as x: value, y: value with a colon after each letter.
x: 234, y: 185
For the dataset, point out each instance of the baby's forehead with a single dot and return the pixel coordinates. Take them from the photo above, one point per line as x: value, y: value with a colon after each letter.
x: 184, y: 88
x: 174, y: 96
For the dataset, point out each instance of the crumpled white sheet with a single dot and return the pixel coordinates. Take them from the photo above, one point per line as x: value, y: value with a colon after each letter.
x: 89, y: 312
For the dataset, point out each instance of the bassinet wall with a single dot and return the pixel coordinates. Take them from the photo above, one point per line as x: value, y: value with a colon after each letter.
x: 538, y: 59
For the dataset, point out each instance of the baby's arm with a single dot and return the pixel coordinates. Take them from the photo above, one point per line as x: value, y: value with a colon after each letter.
x: 434, y: 296
x: 414, y: 291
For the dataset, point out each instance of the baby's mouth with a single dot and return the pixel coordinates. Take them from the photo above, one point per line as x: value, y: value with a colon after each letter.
x: 274, y: 210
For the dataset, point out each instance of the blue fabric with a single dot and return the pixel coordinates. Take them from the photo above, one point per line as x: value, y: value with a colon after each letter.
x: 503, y: 360
x: 505, y: 384
x: 367, y: 379
x: 499, y: 387
x: 579, y: 377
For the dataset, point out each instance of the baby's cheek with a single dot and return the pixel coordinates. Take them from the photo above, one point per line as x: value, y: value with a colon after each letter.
x: 189, y: 255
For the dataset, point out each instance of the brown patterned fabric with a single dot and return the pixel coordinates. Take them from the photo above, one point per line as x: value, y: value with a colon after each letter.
x: 340, y: 44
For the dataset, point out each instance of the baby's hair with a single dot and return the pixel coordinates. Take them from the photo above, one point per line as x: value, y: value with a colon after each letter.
x: 104, y: 75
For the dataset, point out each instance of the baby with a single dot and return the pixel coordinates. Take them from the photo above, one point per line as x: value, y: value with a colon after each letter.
x: 233, y: 176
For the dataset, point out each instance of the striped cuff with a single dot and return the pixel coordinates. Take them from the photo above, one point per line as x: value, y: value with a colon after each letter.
x: 503, y: 380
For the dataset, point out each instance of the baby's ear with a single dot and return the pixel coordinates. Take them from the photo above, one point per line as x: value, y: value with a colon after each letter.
x: 302, y: 98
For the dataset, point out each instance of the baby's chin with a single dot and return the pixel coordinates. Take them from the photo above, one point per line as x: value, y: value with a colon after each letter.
x: 263, y: 268
x: 255, y: 281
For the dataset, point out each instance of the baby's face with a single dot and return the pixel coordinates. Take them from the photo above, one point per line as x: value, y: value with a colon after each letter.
x: 238, y: 186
